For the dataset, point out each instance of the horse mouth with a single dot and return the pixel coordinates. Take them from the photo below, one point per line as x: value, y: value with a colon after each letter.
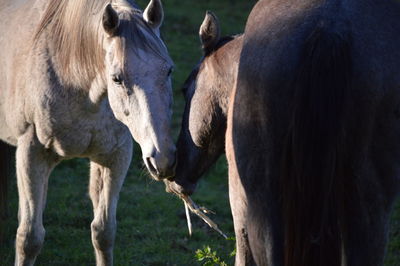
x: 157, y: 174
x: 179, y: 188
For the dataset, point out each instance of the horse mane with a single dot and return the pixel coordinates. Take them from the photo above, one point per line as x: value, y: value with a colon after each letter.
x: 75, y: 34
x: 194, y: 73
x: 224, y: 40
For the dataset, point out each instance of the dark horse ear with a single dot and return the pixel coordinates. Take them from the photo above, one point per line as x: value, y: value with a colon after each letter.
x: 154, y: 14
x: 209, y: 32
x: 110, y: 20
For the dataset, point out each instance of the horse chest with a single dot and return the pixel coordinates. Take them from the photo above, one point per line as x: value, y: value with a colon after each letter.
x: 73, y: 132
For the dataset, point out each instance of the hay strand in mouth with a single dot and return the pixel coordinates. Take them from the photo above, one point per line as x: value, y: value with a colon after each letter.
x: 188, y: 220
x: 200, y: 212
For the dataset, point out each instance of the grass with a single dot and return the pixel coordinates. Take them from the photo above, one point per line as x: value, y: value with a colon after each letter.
x: 151, y: 223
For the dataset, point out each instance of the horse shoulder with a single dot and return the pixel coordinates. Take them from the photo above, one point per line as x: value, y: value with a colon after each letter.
x: 77, y: 126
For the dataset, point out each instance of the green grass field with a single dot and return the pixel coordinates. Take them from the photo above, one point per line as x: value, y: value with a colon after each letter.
x: 151, y: 223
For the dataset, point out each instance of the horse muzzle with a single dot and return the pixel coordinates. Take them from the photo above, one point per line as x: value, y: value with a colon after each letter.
x: 161, y: 166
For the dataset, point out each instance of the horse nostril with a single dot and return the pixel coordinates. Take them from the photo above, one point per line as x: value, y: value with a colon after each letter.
x: 161, y: 166
x: 151, y: 166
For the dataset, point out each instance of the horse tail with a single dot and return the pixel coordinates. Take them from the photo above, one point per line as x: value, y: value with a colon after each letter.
x: 5, y: 173
x: 312, y: 164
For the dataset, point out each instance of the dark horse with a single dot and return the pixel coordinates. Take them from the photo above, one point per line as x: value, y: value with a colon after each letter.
x: 312, y: 133
x: 207, y: 91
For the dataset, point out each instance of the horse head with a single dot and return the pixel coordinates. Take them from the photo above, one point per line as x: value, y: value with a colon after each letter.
x: 207, y: 90
x: 138, y: 70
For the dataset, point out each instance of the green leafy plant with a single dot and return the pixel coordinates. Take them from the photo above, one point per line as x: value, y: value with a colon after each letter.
x: 209, y: 257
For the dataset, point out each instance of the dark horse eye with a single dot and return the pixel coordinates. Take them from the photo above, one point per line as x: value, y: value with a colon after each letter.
x: 117, y: 79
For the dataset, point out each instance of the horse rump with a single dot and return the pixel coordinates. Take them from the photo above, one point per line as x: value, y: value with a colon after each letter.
x: 312, y: 191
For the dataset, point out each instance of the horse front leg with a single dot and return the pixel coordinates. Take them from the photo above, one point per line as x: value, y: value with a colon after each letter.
x: 238, y: 202
x: 34, y: 165
x: 107, y: 175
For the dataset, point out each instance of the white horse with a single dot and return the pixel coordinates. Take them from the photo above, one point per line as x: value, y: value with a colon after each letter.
x: 77, y: 79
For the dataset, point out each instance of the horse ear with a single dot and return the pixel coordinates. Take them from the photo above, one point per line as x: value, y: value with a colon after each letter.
x: 154, y: 14
x: 110, y: 20
x: 209, y: 32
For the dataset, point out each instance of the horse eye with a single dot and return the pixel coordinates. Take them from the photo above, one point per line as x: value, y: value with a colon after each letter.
x: 117, y: 79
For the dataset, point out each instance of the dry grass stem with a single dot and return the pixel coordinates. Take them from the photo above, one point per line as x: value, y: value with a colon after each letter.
x: 200, y: 212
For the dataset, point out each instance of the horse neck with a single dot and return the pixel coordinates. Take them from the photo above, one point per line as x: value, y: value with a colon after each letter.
x: 80, y: 74
x: 75, y: 46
